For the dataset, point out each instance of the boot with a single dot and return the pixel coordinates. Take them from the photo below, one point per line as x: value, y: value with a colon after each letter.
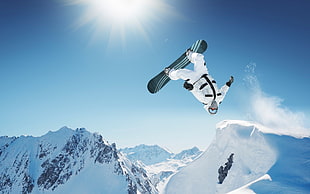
x: 188, y: 52
x: 167, y: 70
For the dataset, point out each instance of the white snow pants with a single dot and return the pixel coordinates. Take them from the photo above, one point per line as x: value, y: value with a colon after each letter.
x: 191, y: 76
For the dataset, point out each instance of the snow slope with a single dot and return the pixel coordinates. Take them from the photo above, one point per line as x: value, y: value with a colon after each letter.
x: 68, y: 161
x: 265, y: 161
x: 160, y: 163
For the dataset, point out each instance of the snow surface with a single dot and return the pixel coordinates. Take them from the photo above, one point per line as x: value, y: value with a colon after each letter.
x: 265, y: 161
x: 245, y: 189
x: 300, y: 132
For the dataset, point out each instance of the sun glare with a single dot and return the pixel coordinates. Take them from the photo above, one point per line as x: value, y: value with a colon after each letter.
x: 118, y: 10
x: 118, y: 17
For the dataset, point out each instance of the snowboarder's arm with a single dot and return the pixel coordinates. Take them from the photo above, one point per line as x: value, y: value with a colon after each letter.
x: 224, y: 89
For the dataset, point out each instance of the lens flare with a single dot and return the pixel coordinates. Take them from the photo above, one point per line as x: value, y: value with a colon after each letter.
x: 116, y: 18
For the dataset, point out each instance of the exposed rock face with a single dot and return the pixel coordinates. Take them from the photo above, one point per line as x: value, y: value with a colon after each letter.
x: 42, y: 164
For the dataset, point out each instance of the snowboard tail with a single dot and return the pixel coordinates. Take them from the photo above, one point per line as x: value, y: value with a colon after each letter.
x: 161, y: 79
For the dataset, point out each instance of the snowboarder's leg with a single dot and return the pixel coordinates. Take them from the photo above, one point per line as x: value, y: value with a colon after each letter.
x: 183, y: 74
x: 198, y: 60
x: 199, y: 64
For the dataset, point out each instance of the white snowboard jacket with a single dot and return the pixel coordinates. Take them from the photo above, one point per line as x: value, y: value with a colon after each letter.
x: 204, y: 86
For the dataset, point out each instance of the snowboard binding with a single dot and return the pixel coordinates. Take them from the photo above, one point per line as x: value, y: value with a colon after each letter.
x: 167, y: 70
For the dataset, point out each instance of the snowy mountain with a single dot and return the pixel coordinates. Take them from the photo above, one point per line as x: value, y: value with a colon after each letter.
x: 244, y: 157
x: 160, y: 163
x: 154, y: 154
x: 148, y: 154
x: 68, y: 161
x: 249, y: 158
x: 188, y: 154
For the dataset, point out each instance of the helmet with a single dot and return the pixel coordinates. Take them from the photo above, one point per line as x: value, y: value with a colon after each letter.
x: 213, y: 107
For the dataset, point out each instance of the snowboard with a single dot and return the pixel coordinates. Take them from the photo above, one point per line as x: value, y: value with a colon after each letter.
x: 161, y: 79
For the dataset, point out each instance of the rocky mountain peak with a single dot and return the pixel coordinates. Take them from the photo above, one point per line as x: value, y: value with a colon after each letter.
x: 57, y: 159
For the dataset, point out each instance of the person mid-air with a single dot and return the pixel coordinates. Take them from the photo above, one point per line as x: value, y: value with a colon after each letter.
x: 200, y: 83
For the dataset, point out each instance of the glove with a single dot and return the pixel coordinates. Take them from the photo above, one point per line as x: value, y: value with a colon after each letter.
x: 231, y: 80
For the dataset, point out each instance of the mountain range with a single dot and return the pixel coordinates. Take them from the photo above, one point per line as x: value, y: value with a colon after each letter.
x: 244, y: 157
x: 160, y: 163
x: 154, y: 154
x: 68, y: 161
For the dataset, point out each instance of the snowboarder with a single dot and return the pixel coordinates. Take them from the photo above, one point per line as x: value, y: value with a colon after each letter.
x: 200, y: 83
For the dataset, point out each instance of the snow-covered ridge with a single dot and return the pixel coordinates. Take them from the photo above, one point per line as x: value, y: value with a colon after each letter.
x: 256, y: 126
x: 264, y: 161
x: 68, y: 161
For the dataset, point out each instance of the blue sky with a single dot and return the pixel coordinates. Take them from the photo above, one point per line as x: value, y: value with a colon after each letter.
x: 62, y: 66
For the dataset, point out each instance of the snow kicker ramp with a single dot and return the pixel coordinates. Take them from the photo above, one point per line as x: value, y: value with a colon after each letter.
x: 263, y: 163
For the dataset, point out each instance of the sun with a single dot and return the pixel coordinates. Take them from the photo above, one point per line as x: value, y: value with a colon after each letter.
x: 123, y: 10
x: 117, y: 11
x: 118, y: 18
